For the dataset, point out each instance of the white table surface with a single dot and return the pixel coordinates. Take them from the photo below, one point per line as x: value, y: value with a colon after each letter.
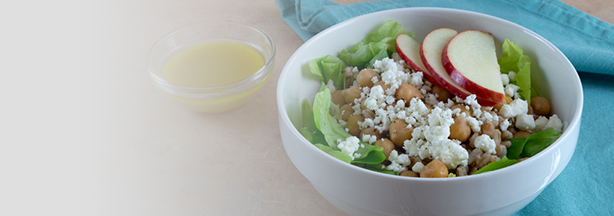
x: 131, y: 150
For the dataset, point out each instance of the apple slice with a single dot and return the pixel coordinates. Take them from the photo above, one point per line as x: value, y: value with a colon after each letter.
x: 470, y: 60
x: 430, y: 54
x: 409, y: 50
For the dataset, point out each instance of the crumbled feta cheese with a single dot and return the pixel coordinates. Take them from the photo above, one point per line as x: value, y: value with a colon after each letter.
x: 476, y: 126
x: 516, y: 107
x: 349, y: 146
x: 505, y: 79
x: 525, y: 122
x: 511, y: 89
x: 417, y: 167
x: 512, y: 76
x: 485, y: 143
x: 472, y: 101
x: 398, y: 163
x: 441, y: 117
x: 540, y: 123
x: 351, y: 71
x: 449, y: 152
x: 554, y: 123
x: 504, y: 125
x: 374, y: 79
x: 416, y: 79
x: 369, y: 138
x: 331, y: 86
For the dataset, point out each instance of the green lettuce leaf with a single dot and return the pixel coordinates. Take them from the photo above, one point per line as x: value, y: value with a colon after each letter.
x: 329, y: 68
x: 377, y: 168
x: 514, y: 60
x: 529, y: 146
x: 332, y: 131
x: 309, y: 129
x: 375, y: 46
x: 515, y: 150
x: 324, y: 121
x: 504, y: 162
x: 370, y: 154
x: 335, y: 153
x: 539, y: 141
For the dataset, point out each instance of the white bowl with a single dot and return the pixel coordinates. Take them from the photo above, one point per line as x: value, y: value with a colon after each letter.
x: 359, y: 191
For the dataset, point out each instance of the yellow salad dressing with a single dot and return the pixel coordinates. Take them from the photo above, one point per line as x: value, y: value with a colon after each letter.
x: 211, y: 64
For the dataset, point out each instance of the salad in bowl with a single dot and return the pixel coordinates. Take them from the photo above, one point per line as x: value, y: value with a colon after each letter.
x: 391, y: 104
x: 374, y: 109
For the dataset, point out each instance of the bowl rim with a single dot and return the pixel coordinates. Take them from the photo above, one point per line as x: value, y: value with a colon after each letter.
x: 214, y: 91
x: 571, y: 126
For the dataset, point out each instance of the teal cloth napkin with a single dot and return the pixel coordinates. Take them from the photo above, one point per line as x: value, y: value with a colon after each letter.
x: 585, y: 187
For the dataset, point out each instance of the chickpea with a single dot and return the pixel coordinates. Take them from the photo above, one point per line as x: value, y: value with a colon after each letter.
x: 365, y: 77
x: 382, y: 84
x: 337, y: 98
x: 460, y: 130
x: 386, y: 144
x: 522, y: 134
x: 370, y: 131
x: 407, y: 92
x: 346, y: 111
x: 462, y: 108
x: 352, y: 125
x: 428, y: 106
x: 349, y: 81
x: 399, y: 132
x: 442, y: 95
x: 540, y: 105
x: 409, y: 173
x: 489, y: 129
x: 351, y: 93
x: 434, y: 169
x: 501, y: 150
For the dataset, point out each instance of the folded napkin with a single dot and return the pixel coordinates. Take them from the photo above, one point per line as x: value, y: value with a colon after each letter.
x: 585, y: 186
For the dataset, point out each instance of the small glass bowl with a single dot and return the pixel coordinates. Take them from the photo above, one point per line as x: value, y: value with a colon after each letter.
x: 218, y: 98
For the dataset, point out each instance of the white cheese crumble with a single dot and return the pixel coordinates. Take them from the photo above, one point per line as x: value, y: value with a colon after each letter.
x: 504, y: 125
x: 540, y: 123
x: 476, y: 126
x: 485, y: 143
x: 331, y: 86
x: 554, y: 123
x: 398, y: 163
x: 505, y: 79
x: 351, y: 71
x: 349, y: 145
x: 512, y: 76
x: 525, y: 122
x: 369, y: 138
x: 511, y: 90
x: 472, y: 101
x: 417, y: 167
x: 515, y: 108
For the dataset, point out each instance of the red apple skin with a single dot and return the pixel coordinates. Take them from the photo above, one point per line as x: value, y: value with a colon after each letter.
x: 442, y: 83
x: 413, y: 64
x: 458, y: 78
